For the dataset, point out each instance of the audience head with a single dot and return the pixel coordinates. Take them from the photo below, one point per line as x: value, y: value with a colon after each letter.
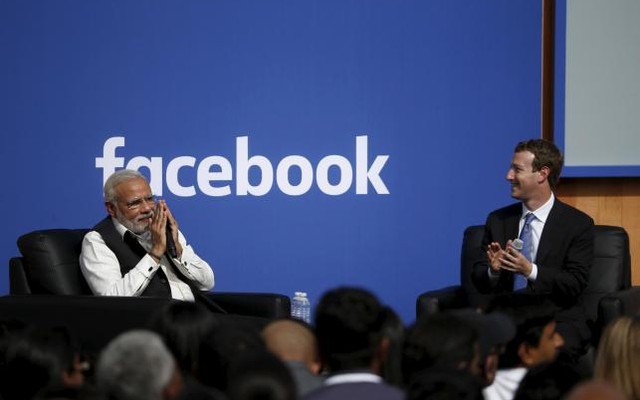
x: 183, y: 325
x: 536, y: 340
x: 349, y: 323
x: 129, y: 199
x: 260, y: 375
x: 393, y: 331
x: 440, y: 342
x: 596, y: 390
x: 444, y: 384
x: 137, y: 366
x: 618, y: 354
x: 220, y: 349
x: 494, y: 331
x: 548, y: 381
x: 38, y: 360
x: 293, y: 340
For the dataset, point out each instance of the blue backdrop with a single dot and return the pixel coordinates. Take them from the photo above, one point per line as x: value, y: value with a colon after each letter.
x: 438, y: 91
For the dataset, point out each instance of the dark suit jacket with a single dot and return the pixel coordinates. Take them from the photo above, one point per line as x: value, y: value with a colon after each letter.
x: 564, y: 258
x: 356, y: 390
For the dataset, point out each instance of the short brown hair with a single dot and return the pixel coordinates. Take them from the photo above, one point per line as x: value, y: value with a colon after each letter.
x: 546, y: 154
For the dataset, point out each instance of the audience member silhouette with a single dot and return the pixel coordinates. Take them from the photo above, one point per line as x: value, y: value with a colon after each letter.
x: 444, y: 384
x: 494, y: 331
x: 595, y: 390
x: 549, y: 381
x: 295, y: 344
x: 618, y: 355
x: 393, y: 331
x: 136, y: 365
x: 220, y: 349
x: 183, y: 326
x: 39, y: 362
x: 536, y: 342
x: 440, y: 342
x: 349, y: 326
x: 260, y: 375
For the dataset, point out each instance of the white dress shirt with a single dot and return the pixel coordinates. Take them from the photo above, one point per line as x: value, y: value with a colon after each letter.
x: 537, y: 225
x: 101, y: 268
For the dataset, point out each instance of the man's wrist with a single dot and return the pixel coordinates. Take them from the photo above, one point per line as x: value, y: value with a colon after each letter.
x: 155, y: 257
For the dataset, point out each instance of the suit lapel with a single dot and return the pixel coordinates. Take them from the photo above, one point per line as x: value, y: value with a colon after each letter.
x: 511, y: 224
x: 549, y: 231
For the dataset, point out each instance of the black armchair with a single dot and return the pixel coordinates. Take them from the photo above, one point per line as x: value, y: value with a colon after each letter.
x: 608, y: 294
x: 49, y: 266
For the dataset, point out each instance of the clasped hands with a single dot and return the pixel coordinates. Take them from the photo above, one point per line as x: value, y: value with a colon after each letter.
x: 509, y: 259
x: 158, y: 229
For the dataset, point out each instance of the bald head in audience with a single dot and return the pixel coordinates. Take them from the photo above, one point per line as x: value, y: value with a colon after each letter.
x: 292, y: 341
x: 595, y: 390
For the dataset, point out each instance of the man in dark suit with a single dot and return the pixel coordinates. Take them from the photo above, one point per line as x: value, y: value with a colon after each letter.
x: 556, y: 242
x: 349, y: 329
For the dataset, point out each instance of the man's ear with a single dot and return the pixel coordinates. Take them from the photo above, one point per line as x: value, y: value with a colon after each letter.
x: 527, y: 354
x: 544, y: 174
x: 111, y: 208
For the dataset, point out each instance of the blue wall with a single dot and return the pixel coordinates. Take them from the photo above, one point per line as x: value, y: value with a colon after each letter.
x: 443, y: 89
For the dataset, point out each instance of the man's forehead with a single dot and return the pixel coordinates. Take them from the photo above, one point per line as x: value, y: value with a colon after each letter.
x: 134, y: 187
x: 523, y: 158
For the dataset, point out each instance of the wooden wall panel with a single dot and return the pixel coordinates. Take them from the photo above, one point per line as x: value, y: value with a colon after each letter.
x: 610, y: 201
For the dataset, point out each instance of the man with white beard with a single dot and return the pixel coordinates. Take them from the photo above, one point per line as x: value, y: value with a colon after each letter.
x: 126, y: 254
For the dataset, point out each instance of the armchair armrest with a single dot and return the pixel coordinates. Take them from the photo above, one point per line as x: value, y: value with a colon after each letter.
x: 264, y: 305
x: 613, y: 305
x: 446, y: 298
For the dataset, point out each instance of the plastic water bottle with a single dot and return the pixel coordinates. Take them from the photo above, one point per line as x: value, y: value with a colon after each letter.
x: 301, y: 307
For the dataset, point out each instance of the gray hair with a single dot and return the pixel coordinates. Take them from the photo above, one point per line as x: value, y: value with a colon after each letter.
x: 117, y: 178
x: 136, y: 365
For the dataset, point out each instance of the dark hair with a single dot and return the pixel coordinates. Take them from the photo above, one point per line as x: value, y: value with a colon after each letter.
x: 349, y: 324
x: 438, y: 341
x: 444, y: 384
x: 220, y: 349
x: 260, y: 375
x: 182, y: 325
x: 546, y: 154
x: 393, y: 330
x: 35, y: 360
x: 548, y: 381
x: 530, y: 314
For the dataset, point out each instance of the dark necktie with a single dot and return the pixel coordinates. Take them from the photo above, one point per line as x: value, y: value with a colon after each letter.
x: 519, y: 281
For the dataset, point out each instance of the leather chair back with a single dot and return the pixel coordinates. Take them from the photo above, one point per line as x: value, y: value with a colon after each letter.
x: 611, y: 269
x: 49, y: 263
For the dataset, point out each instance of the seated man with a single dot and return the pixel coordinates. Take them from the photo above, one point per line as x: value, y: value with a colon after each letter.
x: 126, y: 253
x: 556, y: 250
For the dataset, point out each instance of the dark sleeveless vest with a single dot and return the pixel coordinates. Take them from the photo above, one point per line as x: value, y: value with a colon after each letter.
x: 158, y: 285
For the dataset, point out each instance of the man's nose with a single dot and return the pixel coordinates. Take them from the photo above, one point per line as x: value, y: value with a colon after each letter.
x: 510, y: 174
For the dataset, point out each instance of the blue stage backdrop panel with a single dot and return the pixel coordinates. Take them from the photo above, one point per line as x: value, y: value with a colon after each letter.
x: 382, y: 128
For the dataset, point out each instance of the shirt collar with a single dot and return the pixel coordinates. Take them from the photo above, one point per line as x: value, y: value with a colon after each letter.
x: 353, y: 377
x: 541, y: 213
